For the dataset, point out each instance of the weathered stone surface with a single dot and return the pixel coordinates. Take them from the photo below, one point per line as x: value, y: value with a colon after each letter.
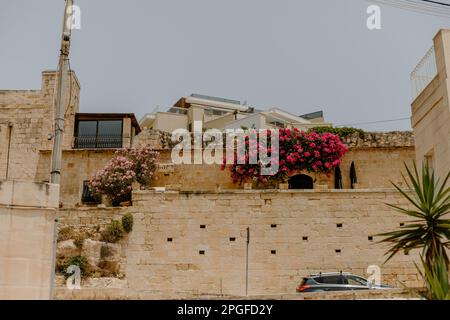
x: 380, y: 139
x: 195, y: 242
x: 67, y: 248
x: 92, y: 251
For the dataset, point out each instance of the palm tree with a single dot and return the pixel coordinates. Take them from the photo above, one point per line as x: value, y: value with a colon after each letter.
x: 430, y: 203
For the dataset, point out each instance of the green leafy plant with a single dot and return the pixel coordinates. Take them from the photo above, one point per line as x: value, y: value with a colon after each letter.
x: 436, y: 278
x: 430, y: 202
x: 81, y: 262
x: 114, y: 232
x: 127, y: 222
x: 342, y: 132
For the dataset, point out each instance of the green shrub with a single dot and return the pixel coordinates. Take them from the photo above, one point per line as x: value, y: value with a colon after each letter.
x: 341, y: 132
x: 127, y: 222
x: 81, y: 262
x: 114, y: 232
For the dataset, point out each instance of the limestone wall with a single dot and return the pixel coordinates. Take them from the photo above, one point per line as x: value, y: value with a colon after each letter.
x: 27, y: 214
x: 431, y: 112
x: 393, y: 139
x: 77, y: 166
x: 26, y: 120
x: 375, y: 168
x: 196, y: 242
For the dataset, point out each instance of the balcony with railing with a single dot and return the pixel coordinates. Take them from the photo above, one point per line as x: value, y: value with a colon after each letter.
x: 423, y: 73
x: 98, y: 142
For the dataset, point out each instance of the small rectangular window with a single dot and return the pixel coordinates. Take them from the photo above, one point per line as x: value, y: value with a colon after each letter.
x: 87, y: 196
x: 429, y: 158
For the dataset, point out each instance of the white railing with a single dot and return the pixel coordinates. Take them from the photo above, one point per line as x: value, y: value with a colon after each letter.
x: 423, y: 73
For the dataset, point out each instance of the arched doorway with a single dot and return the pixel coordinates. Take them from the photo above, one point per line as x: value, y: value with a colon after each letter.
x: 301, y: 181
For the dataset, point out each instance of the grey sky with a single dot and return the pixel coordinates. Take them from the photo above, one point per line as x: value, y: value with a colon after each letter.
x: 131, y: 56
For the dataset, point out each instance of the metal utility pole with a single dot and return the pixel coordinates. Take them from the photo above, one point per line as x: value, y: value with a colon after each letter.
x: 246, y: 263
x: 61, y: 79
x: 60, y: 110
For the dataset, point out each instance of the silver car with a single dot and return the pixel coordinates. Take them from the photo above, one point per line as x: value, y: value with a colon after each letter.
x: 337, y: 281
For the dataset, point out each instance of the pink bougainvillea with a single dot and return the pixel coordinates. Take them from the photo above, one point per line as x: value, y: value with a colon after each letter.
x: 128, y: 165
x: 298, y: 151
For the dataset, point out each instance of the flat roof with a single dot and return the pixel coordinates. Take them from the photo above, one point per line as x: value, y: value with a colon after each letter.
x: 218, y: 99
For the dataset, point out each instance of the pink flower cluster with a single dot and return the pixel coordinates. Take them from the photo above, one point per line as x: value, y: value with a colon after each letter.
x: 298, y: 151
x: 145, y: 162
x: 128, y: 165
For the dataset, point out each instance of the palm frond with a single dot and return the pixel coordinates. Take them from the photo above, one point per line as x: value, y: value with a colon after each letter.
x: 431, y: 201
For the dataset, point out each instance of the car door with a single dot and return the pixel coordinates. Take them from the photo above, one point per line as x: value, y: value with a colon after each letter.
x: 334, y: 283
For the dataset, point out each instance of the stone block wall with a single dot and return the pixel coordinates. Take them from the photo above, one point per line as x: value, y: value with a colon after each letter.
x: 376, y: 167
x: 77, y: 166
x: 26, y: 120
x: 431, y: 112
x: 195, y: 242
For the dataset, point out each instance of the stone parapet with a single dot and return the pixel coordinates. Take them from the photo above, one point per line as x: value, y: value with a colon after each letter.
x: 394, y: 139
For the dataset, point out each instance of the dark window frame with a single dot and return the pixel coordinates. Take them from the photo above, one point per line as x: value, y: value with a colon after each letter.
x: 98, y: 144
x: 86, y: 195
